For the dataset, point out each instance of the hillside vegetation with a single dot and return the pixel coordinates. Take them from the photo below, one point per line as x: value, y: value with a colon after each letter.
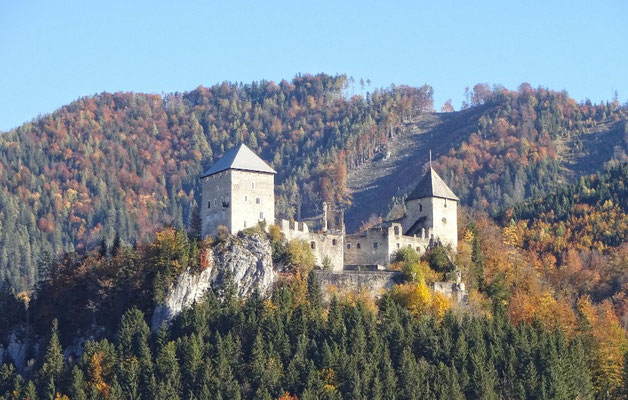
x: 543, y: 321
x: 128, y: 163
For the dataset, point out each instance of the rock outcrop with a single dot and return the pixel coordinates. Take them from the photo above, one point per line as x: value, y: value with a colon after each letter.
x: 247, y: 258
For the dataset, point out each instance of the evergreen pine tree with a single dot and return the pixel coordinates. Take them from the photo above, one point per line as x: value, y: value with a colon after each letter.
x: 52, y: 366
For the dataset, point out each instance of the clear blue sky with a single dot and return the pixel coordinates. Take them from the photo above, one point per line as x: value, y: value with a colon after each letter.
x: 52, y: 52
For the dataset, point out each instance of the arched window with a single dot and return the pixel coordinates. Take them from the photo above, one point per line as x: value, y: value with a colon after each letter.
x: 396, y: 229
x: 359, y: 247
x: 209, y: 204
x: 348, y: 245
x: 334, y: 242
x: 313, y: 245
x: 252, y: 185
x: 420, y: 207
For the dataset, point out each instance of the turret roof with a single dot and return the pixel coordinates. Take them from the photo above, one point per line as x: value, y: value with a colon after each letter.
x: 432, y: 186
x: 242, y: 158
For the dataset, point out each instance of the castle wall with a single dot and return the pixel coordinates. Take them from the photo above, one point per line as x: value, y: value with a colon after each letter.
x: 396, y: 240
x: 333, y: 220
x: 367, y: 248
x: 361, y: 249
x: 323, y: 244
x: 445, y: 212
x: 252, y: 199
x: 440, y: 214
x: 216, y: 189
x: 455, y: 291
x: 375, y: 282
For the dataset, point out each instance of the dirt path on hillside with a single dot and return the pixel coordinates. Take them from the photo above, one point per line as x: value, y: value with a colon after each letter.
x: 374, y: 183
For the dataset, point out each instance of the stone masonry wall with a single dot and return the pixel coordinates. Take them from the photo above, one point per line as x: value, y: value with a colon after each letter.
x: 324, y: 244
x: 375, y: 282
x: 252, y: 199
x: 377, y: 246
x: 216, y: 189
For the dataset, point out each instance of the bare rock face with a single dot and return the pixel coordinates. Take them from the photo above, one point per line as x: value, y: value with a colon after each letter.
x: 247, y: 258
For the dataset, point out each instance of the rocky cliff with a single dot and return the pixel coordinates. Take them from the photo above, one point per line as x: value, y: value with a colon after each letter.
x: 247, y: 258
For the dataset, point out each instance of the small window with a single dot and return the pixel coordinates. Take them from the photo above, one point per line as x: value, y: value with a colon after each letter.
x: 420, y: 207
x: 261, y: 215
x: 444, y: 221
x: 375, y: 245
x: 359, y: 247
x: 252, y: 185
x: 398, y: 245
x: 445, y: 203
x: 418, y: 249
x: 337, y: 219
x: 209, y: 204
x: 313, y: 245
x: 258, y: 200
x: 348, y: 245
x: 246, y: 198
x: 334, y: 242
x: 245, y: 224
x: 396, y: 231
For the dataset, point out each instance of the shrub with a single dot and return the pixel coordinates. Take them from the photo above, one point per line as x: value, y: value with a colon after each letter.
x: 438, y: 260
x: 222, y: 233
x: 327, y: 265
x: 300, y: 255
x: 275, y: 233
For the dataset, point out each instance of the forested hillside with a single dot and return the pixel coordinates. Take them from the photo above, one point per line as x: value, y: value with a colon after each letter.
x: 128, y: 163
x: 527, y: 142
x: 543, y: 321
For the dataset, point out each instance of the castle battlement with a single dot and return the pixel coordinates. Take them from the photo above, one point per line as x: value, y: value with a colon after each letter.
x: 291, y: 225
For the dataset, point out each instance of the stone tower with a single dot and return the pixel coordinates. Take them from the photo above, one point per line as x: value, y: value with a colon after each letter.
x: 432, y: 207
x: 238, y: 191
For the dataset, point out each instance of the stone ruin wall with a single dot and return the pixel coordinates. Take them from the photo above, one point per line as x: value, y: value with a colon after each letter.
x: 361, y: 249
x: 373, y: 282
x: 323, y: 244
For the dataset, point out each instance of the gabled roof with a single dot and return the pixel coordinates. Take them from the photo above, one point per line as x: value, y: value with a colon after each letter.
x: 242, y: 158
x: 432, y: 186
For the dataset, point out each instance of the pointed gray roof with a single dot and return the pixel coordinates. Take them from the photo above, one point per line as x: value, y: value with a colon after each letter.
x: 432, y: 186
x: 242, y: 158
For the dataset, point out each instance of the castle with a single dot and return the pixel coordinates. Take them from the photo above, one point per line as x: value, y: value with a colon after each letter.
x: 238, y: 191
